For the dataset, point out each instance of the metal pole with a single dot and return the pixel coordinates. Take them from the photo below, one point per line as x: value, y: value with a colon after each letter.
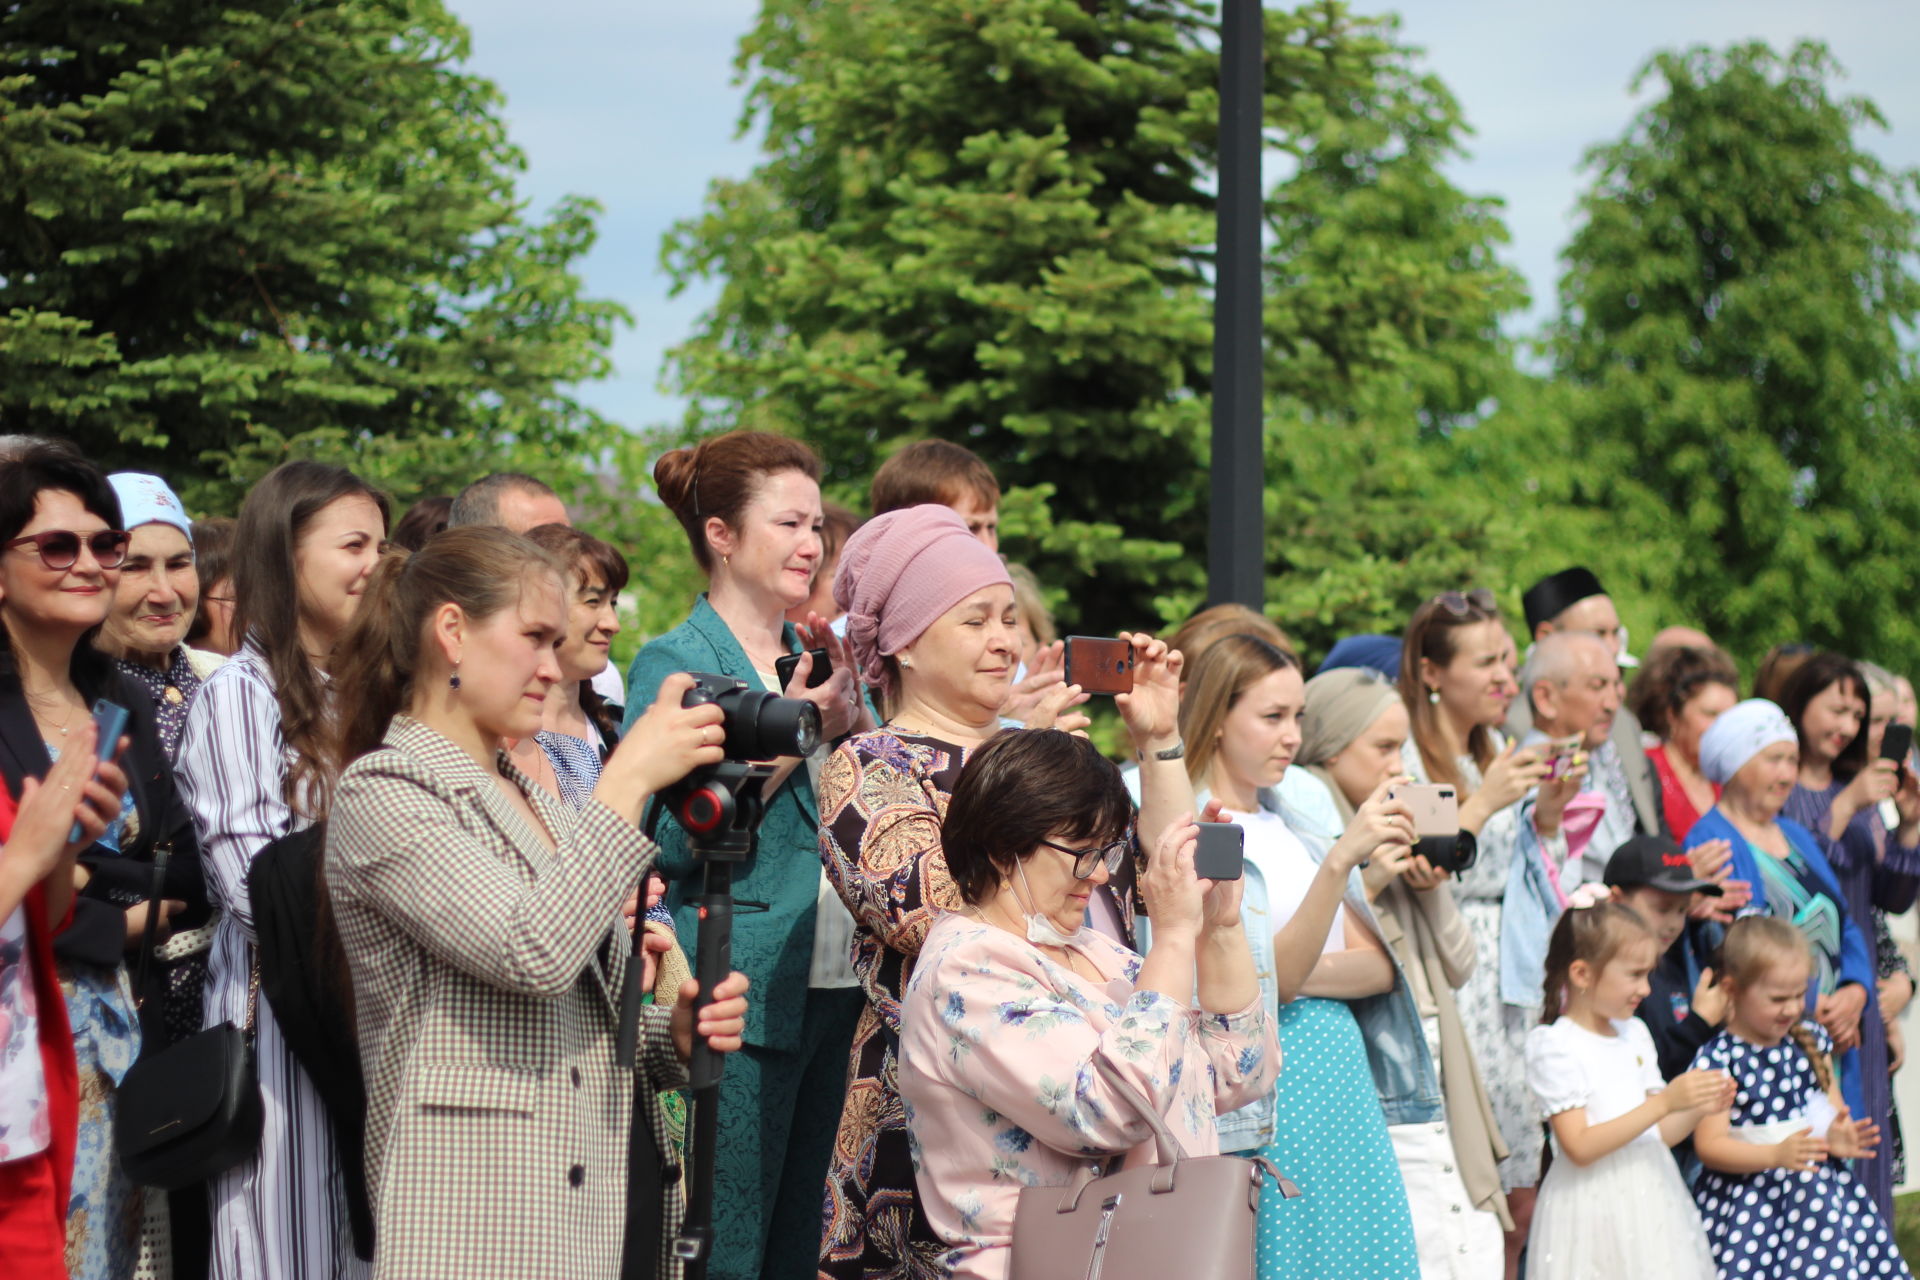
x: 1236, y: 542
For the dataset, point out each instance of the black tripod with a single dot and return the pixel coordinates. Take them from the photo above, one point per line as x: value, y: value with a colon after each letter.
x: 720, y: 808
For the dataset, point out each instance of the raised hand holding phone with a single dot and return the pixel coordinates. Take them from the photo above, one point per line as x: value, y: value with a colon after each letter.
x: 109, y: 723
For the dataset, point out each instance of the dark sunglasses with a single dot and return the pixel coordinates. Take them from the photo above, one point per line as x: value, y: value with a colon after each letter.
x: 60, y: 548
x: 1085, y: 860
x: 1463, y: 604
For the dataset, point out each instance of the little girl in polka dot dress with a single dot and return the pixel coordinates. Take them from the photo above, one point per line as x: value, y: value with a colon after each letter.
x: 1776, y: 1196
x: 1612, y: 1205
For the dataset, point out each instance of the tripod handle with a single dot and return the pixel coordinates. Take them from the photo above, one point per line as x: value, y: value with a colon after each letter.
x: 713, y: 961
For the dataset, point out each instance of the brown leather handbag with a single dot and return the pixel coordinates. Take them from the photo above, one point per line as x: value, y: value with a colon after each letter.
x: 1182, y: 1216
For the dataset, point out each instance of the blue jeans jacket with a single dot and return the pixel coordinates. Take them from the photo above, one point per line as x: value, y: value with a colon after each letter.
x: 1404, y: 1075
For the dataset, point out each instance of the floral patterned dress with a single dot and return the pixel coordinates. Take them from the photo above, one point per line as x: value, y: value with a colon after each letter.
x: 997, y: 1070
x: 882, y: 797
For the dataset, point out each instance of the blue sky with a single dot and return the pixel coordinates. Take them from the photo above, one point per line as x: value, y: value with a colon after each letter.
x: 632, y: 102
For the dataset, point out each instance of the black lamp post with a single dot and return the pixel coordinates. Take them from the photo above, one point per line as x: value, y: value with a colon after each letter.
x: 1236, y: 542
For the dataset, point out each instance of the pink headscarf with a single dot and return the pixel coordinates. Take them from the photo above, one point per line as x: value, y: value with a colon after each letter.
x: 899, y: 572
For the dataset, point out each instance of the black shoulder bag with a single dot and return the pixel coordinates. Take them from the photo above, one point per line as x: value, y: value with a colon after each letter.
x: 191, y: 1110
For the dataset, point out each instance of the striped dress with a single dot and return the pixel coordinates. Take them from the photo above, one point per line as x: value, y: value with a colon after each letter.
x: 282, y: 1215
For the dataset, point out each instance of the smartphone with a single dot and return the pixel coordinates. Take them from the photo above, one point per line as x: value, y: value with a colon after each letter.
x: 1221, y: 853
x: 1562, y: 756
x: 1100, y: 664
x: 817, y: 675
x: 1897, y: 743
x: 1436, y: 825
x: 110, y: 718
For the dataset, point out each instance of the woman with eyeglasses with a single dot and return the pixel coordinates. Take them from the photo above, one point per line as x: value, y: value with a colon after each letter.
x: 61, y: 529
x: 1018, y: 1017
x: 253, y: 748
x: 1355, y: 1060
x: 1457, y: 681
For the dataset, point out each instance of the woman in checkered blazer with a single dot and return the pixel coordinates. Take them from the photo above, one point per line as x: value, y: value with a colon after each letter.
x: 481, y: 923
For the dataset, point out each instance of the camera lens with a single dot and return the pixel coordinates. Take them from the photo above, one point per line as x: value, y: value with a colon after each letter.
x: 759, y: 725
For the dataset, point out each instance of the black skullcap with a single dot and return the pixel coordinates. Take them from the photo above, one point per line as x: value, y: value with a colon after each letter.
x: 1550, y: 597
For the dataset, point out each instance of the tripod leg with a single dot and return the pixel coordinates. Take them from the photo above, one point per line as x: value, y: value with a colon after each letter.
x: 713, y: 961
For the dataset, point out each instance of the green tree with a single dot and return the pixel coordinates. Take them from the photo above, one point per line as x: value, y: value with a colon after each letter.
x: 1733, y: 312
x: 993, y: 223
x: 236, y: 233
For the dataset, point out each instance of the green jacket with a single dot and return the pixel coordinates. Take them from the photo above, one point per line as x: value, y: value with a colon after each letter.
x: 774, y: 947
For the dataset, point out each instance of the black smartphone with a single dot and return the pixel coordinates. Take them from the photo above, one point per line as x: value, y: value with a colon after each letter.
x: 1897, y: 743
x: 110, y: 718
x: 1100, y: 664
x: 785, y: 667
x: 1222, y: 851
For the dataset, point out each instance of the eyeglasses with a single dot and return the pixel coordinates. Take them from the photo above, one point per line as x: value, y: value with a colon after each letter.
x: 1463, y: 604
x: 60, y: 548
x: 1085, y: 860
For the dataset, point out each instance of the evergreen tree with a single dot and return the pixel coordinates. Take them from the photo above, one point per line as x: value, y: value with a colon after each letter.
x: 1734, y: 306
x: 236, y: 233
x: 993, y: 224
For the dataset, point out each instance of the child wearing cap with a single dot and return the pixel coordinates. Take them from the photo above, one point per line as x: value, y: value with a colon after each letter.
x: 1651, y: 874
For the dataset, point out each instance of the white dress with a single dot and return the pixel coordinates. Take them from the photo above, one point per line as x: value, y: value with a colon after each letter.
x: 1629, y: 1213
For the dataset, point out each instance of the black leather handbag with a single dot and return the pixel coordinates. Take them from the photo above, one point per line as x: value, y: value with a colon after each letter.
x: 192, y: 1109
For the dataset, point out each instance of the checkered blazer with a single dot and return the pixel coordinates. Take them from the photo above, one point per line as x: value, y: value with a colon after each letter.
x: 486, y: 980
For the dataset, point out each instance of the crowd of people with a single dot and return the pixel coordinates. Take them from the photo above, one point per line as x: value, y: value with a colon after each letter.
x: 383, y: 810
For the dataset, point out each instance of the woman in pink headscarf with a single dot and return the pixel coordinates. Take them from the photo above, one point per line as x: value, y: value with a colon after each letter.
x: 932, y: 624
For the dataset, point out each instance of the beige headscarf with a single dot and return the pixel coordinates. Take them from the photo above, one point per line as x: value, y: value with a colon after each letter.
x: 1340, y: 705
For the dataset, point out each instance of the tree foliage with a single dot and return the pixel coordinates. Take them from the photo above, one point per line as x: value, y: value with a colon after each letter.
x: 993, y: 223
x: 236, y: 233
x: 1735, y: 306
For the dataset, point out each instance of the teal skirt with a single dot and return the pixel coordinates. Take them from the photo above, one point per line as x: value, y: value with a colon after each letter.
x: 1350, y: 1221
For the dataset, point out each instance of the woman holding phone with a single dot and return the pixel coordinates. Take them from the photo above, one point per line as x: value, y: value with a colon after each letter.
x: 63, y: 546
x: 1355, y: 1059
x: 250, y: 756
x: 749, y: 502
x: 1837, y: 798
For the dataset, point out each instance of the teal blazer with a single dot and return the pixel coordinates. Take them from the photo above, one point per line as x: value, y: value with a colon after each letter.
x: 774, y: 947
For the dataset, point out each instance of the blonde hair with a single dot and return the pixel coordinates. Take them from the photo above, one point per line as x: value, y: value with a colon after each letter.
x: 1594, y: 934
x: 1031, y: 604
x: 1205, y: 628
x: 1753, y: 946
x: 1225, y: 671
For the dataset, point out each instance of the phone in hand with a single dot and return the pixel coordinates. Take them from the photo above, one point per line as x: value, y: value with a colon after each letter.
x: 1221, y: 853
x: 110, y: 718
x: 1897, y: 742
x: 817, y: 675
x: 1435, y: 807
x: 1562, y: 756
x: 1100, y: 664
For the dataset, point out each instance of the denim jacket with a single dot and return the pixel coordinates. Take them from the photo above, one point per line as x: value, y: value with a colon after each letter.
x: 1404, y: 1075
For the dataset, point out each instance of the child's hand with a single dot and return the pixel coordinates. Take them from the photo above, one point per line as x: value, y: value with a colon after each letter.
x: 1699, y: 1091
x: 1802, y: 1151
x: 1852, y: 1139
x: 1710, y: 999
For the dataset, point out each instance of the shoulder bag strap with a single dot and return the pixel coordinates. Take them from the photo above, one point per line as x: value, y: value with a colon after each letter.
x: 161, y: 852
x: 1167, y: 1149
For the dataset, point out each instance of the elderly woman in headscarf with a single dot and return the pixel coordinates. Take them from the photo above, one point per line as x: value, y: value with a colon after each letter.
x: 933, y: 626
x: 1753, y: 752
x: 1353, y: 727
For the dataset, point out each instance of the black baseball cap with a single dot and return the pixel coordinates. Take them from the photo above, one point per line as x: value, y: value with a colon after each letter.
x: 1658, y: 863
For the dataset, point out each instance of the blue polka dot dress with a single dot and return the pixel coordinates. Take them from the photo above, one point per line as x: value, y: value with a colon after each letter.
x: 1783, y: 1223
x: 1350, y: 1221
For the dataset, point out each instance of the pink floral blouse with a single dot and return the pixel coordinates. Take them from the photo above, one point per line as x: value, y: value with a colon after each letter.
x: 997, y: 1046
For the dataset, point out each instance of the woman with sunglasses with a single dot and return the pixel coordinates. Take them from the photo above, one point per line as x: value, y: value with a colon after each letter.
x: 60, y: 527
x: 1019, y: 1017
x: 250, y: 757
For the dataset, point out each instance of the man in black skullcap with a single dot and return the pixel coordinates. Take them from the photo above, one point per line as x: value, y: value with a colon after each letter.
x: 1574, y: 600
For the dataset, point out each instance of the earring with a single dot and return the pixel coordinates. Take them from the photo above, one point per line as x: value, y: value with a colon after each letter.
x: 906, y: 662
x: 727, y: 561
x: 453, y: 681
x: 1433, y: 696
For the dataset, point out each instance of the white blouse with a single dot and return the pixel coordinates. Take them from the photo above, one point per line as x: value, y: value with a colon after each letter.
x: 1287, y: 868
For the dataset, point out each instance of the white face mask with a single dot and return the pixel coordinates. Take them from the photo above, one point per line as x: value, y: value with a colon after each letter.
x: 1041, y: 930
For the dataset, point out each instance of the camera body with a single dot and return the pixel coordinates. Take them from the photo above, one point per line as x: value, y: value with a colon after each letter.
x: 759, y: 725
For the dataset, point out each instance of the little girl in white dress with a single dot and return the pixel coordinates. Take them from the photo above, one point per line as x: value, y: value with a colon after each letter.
x: 1613, y: 1203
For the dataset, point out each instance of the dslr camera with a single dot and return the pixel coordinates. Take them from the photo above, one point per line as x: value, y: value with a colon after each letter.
x: 759, y: 725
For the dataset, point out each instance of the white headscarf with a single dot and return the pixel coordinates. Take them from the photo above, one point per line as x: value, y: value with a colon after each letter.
x: 1740, y: 734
